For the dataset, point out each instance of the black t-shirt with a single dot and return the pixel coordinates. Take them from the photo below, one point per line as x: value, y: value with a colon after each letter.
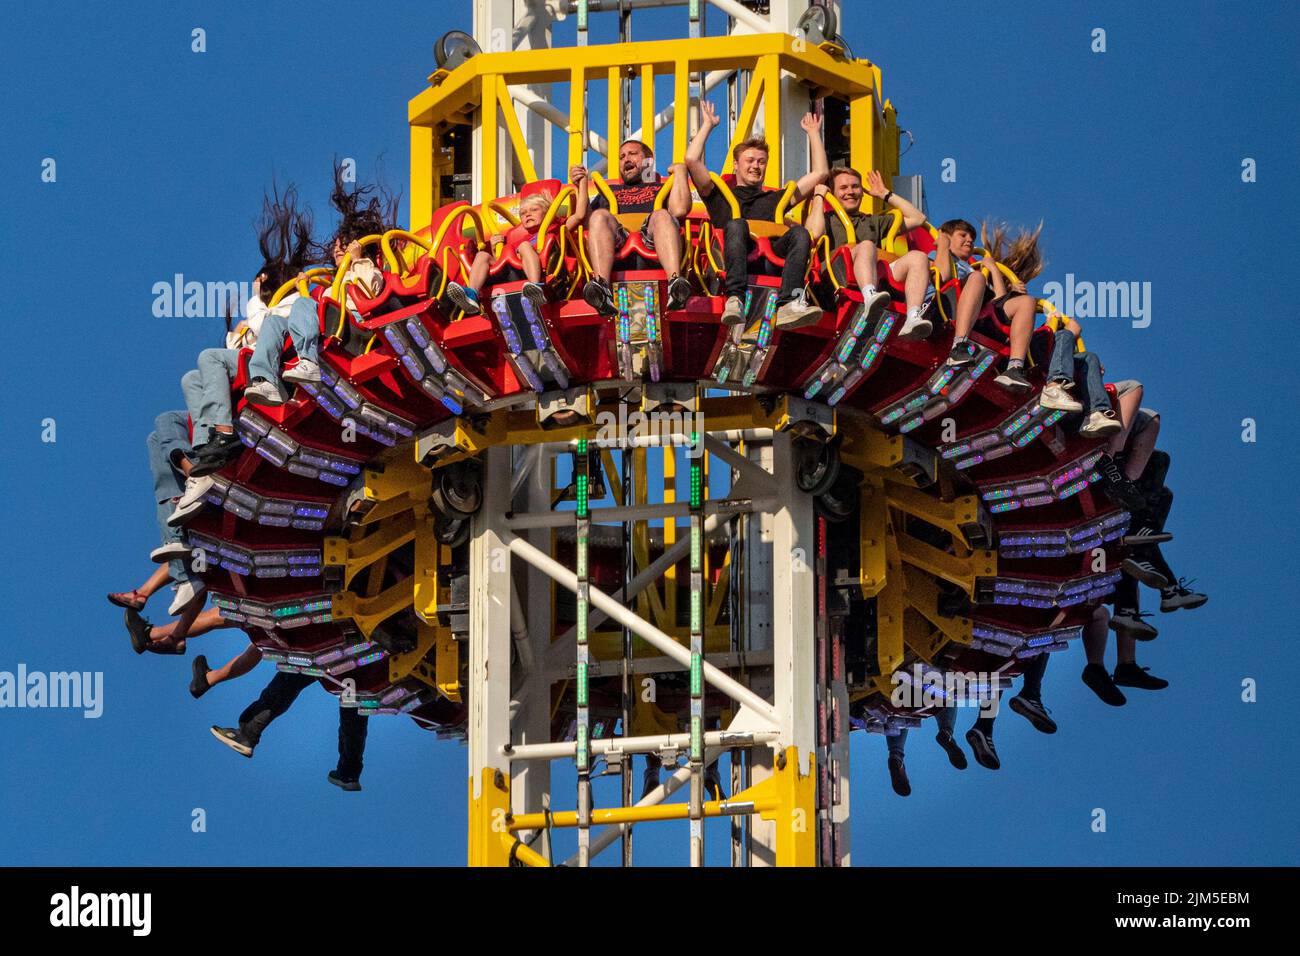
x: 632, y: 197
x: 866, y: 227
x: 756, y: 202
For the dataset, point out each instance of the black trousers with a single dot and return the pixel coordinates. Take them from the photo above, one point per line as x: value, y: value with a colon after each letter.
x: 278, y: 696
x: 794, y: 246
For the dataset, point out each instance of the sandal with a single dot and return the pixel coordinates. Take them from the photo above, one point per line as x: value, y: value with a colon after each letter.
x: 132, y: 600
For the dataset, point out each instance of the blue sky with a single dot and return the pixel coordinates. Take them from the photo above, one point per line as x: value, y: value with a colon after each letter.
x: 1132, y: 158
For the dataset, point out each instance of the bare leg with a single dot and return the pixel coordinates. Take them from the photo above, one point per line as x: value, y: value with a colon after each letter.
x: 1020, y: 311
x: 913, y: 270
x: 864, y: 264
x: 532, y: 262
x: 237, y: 666
x: 1139, y: 452
x: 668, y: 241
x: 155, y: 582
x: 1129, y: 403
x: 602, y: 227
x: 969, y: 302
x: 478, y: 272
x: 195, y: 620
x: 1094, y: 636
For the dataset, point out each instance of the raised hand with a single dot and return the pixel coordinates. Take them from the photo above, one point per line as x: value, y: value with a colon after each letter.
x: 577, y: 174
x: 811, y: 123
x: 876, y: 185
x: 709, y: 114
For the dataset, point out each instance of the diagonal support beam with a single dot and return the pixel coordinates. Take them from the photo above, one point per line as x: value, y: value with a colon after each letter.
x: 643, y: 629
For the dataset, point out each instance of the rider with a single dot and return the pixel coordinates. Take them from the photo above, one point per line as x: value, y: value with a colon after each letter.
x: 912, y: 268
x: 661, y: 230
x: 759, y: 202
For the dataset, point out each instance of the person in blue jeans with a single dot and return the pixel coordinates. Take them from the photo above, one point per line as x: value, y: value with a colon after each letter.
x: 946, y: 718
x: 296, y: 316
x: 169, y: 463
x: 1067, y: 365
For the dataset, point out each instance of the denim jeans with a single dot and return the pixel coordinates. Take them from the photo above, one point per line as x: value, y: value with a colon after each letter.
x: 169, y: 436
x: 207, y: 391
x: 945, y: 717
x: 301, y: 323
x: 1067, y: 365
x: 794, y: 247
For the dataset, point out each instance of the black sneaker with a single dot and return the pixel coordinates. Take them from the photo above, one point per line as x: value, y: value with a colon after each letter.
x: 1119, y: 487
x: 898, y: 776
x: 233, y: 739
x: 1014, y: 380
x: 1128, y: 621
x: 343, y: 783
x: 199, y: 680
x: 679, y: 290
x: 599, y: 296
x: 1178, y: 596
x: 956, y: 756
x: 218, y: 444
x: 960, y: 354
x: 1128, y: 674
x: 1145, y: 535
x: 1034, y: 712
x: 1099, y: 682
x: 206, y: 462
x: 1145, y: 572
x: 534, y: 293
x: 982, y: 746
x: 139, y: 630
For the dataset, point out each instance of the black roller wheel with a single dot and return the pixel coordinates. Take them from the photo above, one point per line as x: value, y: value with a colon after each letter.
x: 458, y: 490
x: 452, y: 532
x: 818, y: 465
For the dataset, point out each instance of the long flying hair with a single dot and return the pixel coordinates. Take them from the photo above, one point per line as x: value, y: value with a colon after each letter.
x: 1020, y: 254
x: 363, y: 210
x: 283, y: 239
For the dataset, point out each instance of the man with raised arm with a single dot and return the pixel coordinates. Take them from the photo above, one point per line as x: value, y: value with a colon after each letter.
x: 912, y: 269
x: 661, y: 230
x: 759, y: 203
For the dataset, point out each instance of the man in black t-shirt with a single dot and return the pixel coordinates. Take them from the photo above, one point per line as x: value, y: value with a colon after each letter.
x: 661, y: 230
x: 758, y: 202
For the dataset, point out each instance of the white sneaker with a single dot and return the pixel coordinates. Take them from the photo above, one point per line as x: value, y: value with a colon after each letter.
x: 796, y: 314
x: 195, y: 489
x: 733, y: 310
x: 915, y: 327
x: 185, y: 511
x: 1100, y: 424
x: 305, y: 371
x: 264, y: 393
x: 185, y: 593
x: 875, y: 303
x: 1055, y: 396
x: 175, y: 549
